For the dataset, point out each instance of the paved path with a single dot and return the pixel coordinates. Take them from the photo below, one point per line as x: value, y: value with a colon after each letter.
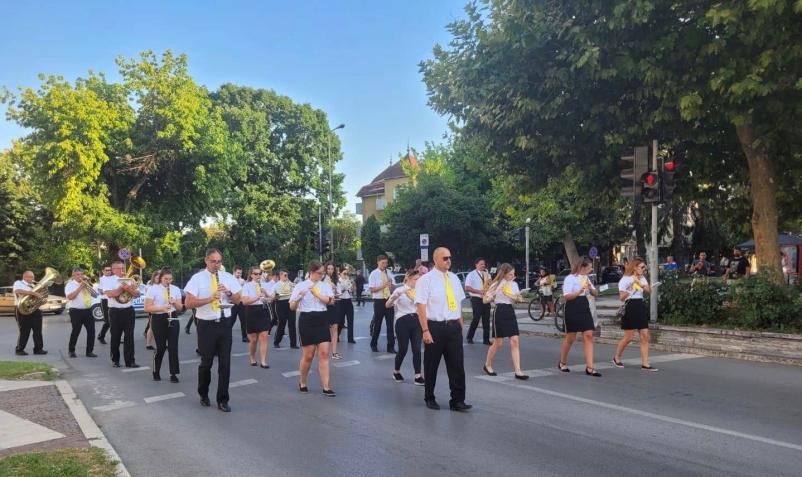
x: 697, y: 416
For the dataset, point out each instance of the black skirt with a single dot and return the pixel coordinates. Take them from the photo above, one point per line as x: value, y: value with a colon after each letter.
x: 256, y: 319
x: 578, y: 317
x: 635, y: 315
x: 313, y: 327
x: 333, y: 312
x: 504, y: 322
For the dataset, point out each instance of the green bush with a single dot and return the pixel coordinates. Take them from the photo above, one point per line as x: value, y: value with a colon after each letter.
x: 758, y: 303
x: 697, y: 302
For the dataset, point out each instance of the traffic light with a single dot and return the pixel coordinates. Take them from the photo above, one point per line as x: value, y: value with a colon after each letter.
x: 316, y: 240
x: 667, y: 178
x: 635, y: 166
x: 325, y: 246
x: 650, y: 188
x: 520, y: 235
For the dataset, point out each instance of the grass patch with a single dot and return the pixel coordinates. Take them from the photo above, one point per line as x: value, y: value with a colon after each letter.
x: 62, y: 462
x: 18, y: 369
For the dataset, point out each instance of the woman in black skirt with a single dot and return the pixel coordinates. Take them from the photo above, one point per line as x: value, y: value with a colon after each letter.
x: 331, y: 279
x: 630, y: 290
x: 311, y: 297
x: 505, y: 294
x: 578, y: 317
x: 257, y: 320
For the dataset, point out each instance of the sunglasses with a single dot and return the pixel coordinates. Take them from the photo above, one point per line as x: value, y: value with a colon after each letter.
x: 446, y: 259
x: 214, y: 261
x: 256, y: 273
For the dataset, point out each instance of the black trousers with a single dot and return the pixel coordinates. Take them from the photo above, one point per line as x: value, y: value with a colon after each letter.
x: 239, y: 311
x: 480, y: 310
x: 104, y: 305
x: 381, y: 311
x: 190, y: 321
x: 286, y: 317
x: 122, y: 321
x: 360, y: 300
x: 408, y: 332
x: 214, y: 339
x: 165, y: 333
x: 346, y: 310
x: 82, y: 319
x: 26, y: 324
x: 447, y: 336
x: 273, y: 310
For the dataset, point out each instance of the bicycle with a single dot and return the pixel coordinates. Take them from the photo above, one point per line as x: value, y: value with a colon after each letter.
x: 536, y: 311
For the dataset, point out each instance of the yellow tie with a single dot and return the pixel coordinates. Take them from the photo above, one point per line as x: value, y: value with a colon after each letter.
x: 315, y: 290
x: 258, y: 289
x: 215, y: 303
x: 411, y: 294
x: 166, y: 296
x: 85, y: 293
x: 507, y: 289
x: 583, y: 281
x: 385, y: 292
x: 636, y: 285
x: 452, y: 302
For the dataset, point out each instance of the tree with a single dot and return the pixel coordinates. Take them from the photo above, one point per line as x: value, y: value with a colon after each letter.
x: 371, y: 241
x: 346, y: 238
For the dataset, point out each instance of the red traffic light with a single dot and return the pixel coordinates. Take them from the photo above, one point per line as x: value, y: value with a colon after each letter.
x: 669, y: 166
x: 650, y: 179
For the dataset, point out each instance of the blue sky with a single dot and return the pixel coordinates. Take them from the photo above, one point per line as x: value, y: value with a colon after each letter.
x: 356, y: 60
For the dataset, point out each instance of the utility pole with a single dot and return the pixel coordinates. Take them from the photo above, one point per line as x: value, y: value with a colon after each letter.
x: 526, y: 239
x: 319, y: 232
x: 653, y: 252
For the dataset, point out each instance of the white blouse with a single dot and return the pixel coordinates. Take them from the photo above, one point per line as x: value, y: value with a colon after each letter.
x: 403, y: 301
x: 309, y: 302
x: 510, y: 287
x: 249, y: 291
x: 635, y: 288
x: 574, y: 283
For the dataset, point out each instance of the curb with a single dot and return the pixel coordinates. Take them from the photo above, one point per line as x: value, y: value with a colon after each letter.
x: 88, y: 426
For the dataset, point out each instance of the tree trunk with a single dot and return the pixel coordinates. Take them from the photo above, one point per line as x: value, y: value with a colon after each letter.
x: 763, y: 191
x: 131, y: 195
x: 570, y: 248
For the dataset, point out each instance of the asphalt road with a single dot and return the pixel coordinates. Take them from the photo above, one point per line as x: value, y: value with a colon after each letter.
x: 697, y: 416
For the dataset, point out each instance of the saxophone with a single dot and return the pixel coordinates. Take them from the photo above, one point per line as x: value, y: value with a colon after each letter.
x: 137, y: 263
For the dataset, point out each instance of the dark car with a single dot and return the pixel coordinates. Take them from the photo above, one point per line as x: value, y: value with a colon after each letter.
x: 612, y: 274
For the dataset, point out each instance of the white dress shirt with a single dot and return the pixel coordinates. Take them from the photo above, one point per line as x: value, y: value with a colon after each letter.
x: 155, y: 293
x: 573, y: 283
x: 477, y: 279
x: 403, y: 304
x: 284, y: 289
x: 431, y: 291
x: 200, y: 286
x: 627, y: 283
x: 309, y: 302
x: 375, y: 280
x: 78, y: 302
x: 249, y: 290
x: 509, y: 287
x: 100, y: 289
x: 21, y: 285
x: 112, y: 283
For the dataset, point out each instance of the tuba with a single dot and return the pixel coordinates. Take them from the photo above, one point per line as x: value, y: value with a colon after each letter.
x: 29, y: 304
x: 267, y: 266
x: 137, y: 263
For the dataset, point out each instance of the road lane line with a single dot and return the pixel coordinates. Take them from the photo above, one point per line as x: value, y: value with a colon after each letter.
x: 133, y: 370
x: 345, y: 364
x: 659, y: 417
x: 190, y: 361
x: 290, y: 374
x: 164, y: 397
x: 244, y: 382
x: 580, y: 368
x: 240, y: 354
x: 114, y: 406
x: 385, y: 357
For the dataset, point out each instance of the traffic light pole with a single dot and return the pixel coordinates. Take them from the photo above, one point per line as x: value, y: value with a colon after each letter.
x: 653, y: 255
x: 319, y: 233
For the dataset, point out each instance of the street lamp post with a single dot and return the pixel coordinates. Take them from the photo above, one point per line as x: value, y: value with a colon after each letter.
x: 331, y: 210
x: 526, y: 239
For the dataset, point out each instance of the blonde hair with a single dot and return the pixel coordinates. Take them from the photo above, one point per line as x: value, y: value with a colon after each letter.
x: 503, y: 270
x: 579, y: 265
x: 632, y: 265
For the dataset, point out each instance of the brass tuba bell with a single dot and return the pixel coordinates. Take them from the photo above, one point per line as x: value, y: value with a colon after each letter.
x: 137, y: 263
x: 29, y: 304
x: 267, y: 266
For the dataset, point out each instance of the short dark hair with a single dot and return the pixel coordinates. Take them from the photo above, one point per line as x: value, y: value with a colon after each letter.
x: 236, y: 267
x: 479, y: 259
x: 211, y: 251
x: 314, y: 265
x: 77, y: 269
x: 165, y: 271
x: 381, y: 257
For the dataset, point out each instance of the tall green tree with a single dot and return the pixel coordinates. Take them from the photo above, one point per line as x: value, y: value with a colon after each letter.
x: 371, y: 241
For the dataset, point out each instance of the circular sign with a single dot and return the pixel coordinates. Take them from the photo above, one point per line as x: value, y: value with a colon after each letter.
x: 593, y: 252
x: 124, y: 254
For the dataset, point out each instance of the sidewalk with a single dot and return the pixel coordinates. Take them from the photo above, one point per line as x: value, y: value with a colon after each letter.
x: 47, y: 415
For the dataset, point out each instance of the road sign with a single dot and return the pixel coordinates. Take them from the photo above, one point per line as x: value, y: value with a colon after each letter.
x: 424, y: 240
x: 424, y: 254
x: 593, y: 252
x: 124, y: 254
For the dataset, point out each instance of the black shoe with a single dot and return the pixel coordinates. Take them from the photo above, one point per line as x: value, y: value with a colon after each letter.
x: 295, y: 347
x: 488, y: 372
x: 592, y: 372
x: 563, y: 367
x: 303, y: 389
x: 150, y: 347
x: 276, y: 345
x: 329, y: 393
x: 73, y: 355
x: 392, y: 351
x: 522, y: 377
x: 186, y: 330
x: 173, y: 378
x: 244, y: 340
x: 157, y: 377
x: 264, y: 366
x: 21, y: 352
x: 419, y: 381
x: 132, y: 365
x: 352, y: 341
x: 115, y: 364
x: 488, y: 343
x: 223, y: 406
x: 101, y: 340
x: 253, y: 364
x: 375, y: 349
x: 469, y: 340
x: 432, y: 404
x: 398, y: 378
x: 197, y: 351
x: 91, y: 355
x: 205, y: 402
x: 41, y: 351
x: 460, y: 407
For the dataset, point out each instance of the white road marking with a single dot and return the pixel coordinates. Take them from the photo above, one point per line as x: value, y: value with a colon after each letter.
x: 240, y: 354
x: 114, y: 406
x: 385, y: 357
x: 580, y: 368
x: 244, y: 382
x: 659, y: 417
x: 133, y: 370
x: 290, y: 374
x: 164, y: 397
x: 345, y: 364
x: 190, y: 361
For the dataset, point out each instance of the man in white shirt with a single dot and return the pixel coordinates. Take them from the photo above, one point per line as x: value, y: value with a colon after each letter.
x: 381, y: 286
x: 213, y: 292
x: 121, y: 315
x: 104, y: 305
x: 286, y: 317
x: 27, y: 323
x: 476, y: 284
x: 79, y: 294
x: 238, y: 310
x: 438, y: 298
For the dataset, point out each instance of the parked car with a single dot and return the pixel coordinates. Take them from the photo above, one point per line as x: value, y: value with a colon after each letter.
x: 612, y: 274
x: 139, y: 302
x: 565, y: 272
x: 55, y: 304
